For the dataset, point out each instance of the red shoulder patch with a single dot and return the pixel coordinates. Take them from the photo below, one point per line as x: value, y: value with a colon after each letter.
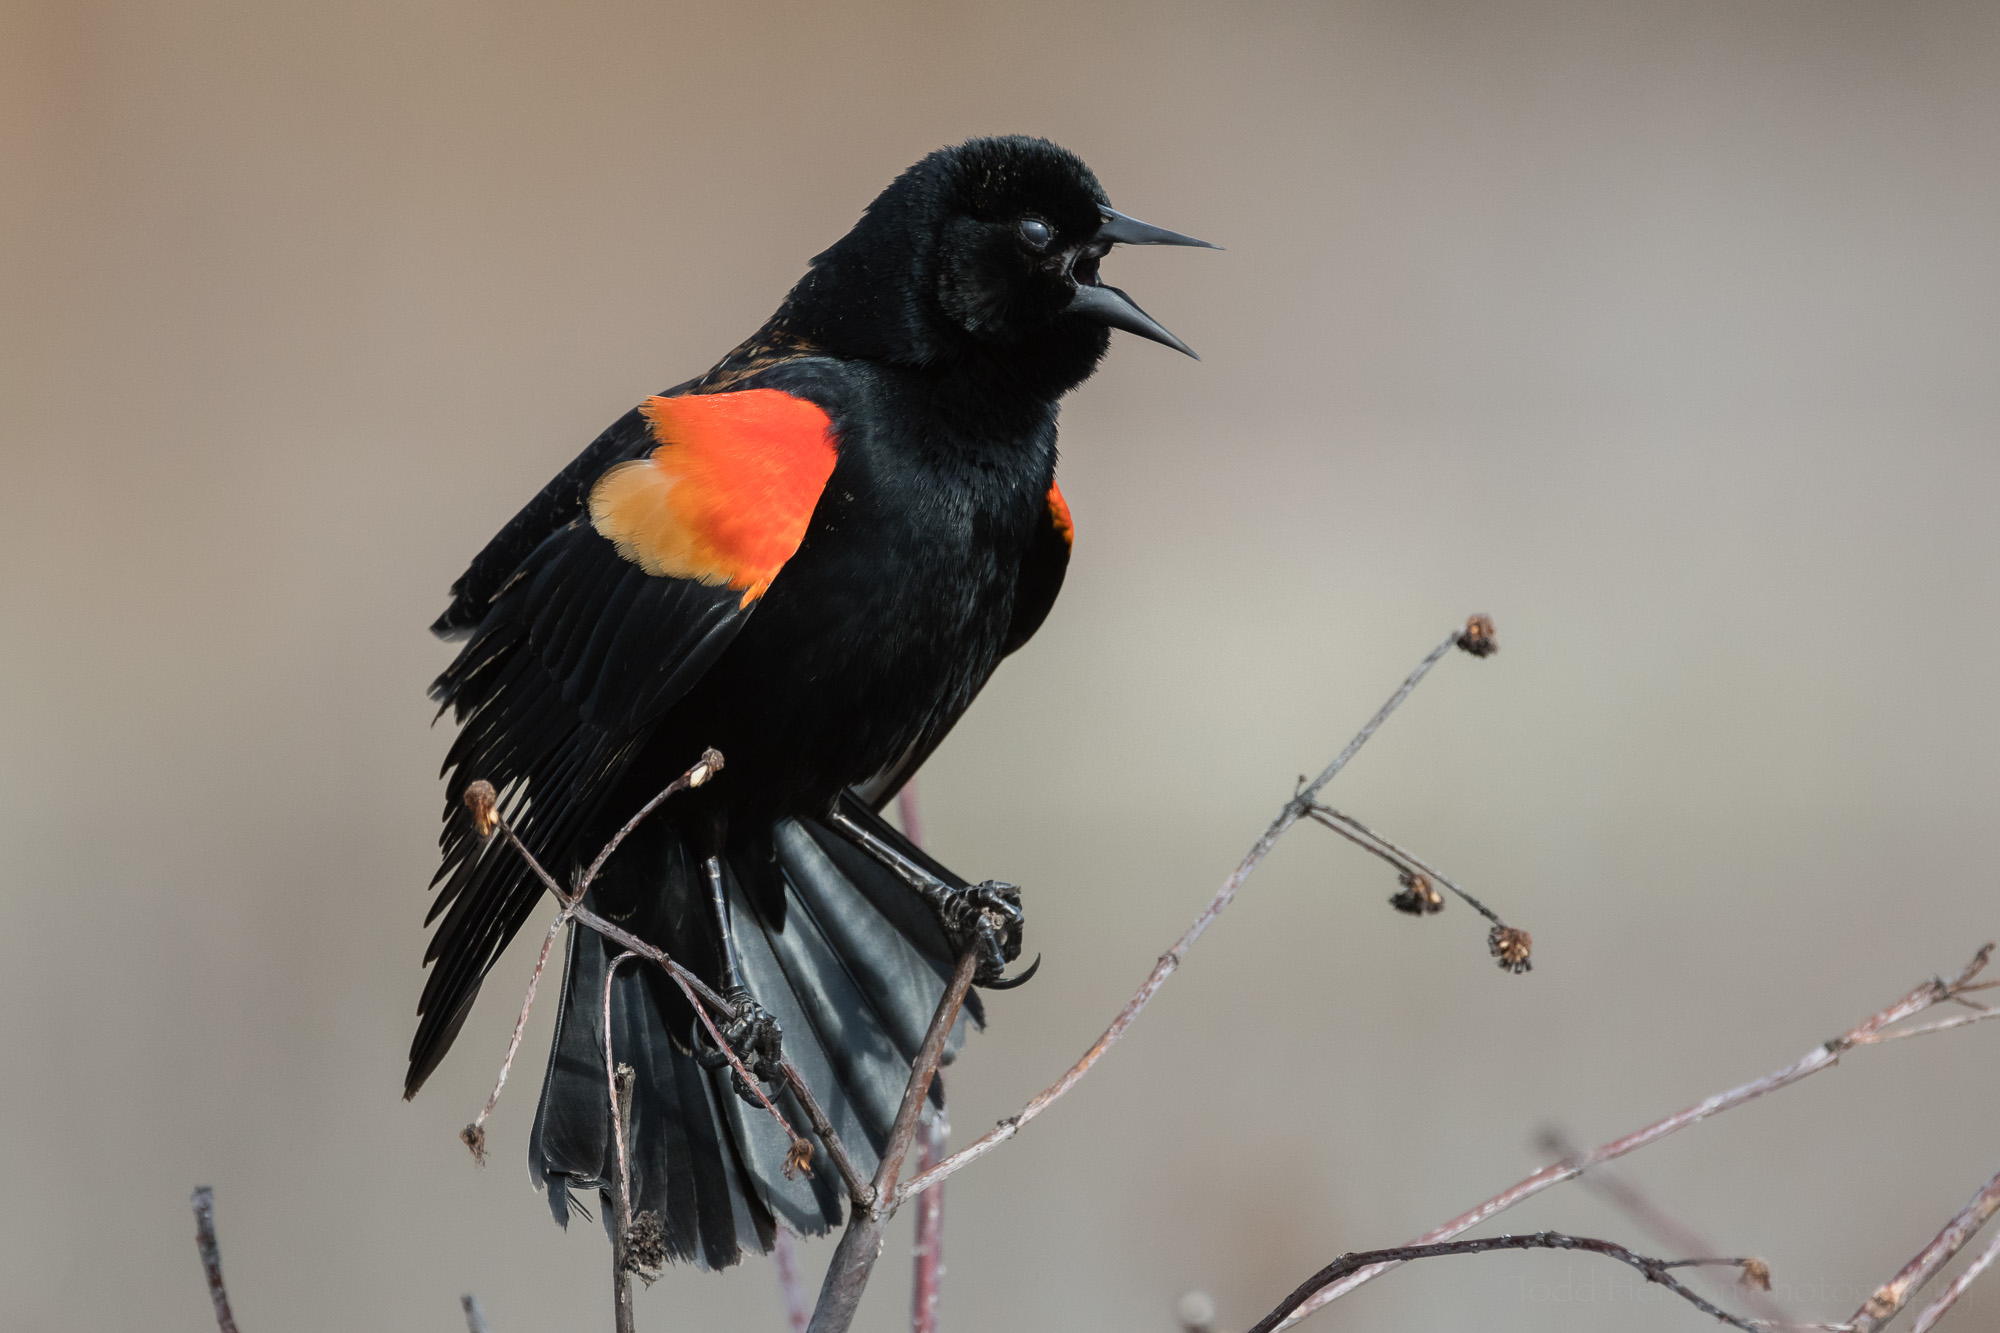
x: 726, y: 497
x: 1059, y: 516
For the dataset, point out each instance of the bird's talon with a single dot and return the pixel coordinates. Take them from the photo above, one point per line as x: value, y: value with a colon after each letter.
x: 756, y: 1039
x: 987, y: 919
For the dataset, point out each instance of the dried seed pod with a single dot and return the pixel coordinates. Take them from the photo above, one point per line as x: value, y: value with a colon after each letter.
x: 473, y: 1137
x: 1756, y: 1273
x: 484, y: 803
x: 646, y: 1247
x: 1419, y: 897
x: 798, y: 1158
x: 1477, y: 637
x: 1511, y: 947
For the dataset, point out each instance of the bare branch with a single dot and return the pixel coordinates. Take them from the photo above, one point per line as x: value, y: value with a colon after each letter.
x: 704, y: 768
x: 480, y: 799
x: 1358, y: 833
x: 618, y: 1082
x: 621, y: 1080
x: 1296, y: 809
x: 928, y: 1251
x: 1666, y: 1229
x: 861, y: 1242
x: 860, y: 1192
x: 1949, y: 1296
x: 474, y: 1134
x: 1824, y: 1056
x: 785, y: 1258
x: 1890, y: 1297
x: 799, y: 1154
x: 907, y: 814
x: 211, y: 1256
x: 1654, y: 1269
x: 475, y: 1318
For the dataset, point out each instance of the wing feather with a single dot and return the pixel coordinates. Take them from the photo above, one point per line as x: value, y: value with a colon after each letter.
x: 578, y: 645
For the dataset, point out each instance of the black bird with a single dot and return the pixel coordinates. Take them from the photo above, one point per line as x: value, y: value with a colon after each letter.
x: 810, y: 558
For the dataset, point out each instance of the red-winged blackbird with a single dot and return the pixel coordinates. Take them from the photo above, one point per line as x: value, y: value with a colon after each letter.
x: 810, y: 558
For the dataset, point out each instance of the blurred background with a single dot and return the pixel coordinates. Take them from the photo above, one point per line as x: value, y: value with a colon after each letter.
x: 1664, y: 333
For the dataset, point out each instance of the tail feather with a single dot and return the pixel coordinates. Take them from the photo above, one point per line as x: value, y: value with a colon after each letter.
x: 849, y: 962
x: 896, y: 986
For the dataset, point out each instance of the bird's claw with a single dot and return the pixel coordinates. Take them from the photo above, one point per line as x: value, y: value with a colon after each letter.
x: 757, y: 1041
x: 987, y: 919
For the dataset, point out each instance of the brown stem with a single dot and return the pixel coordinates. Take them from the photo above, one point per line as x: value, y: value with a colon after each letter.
x: 800, y: 1151
x: 785, y: 1258
x: 1358, y: 833
x: 1824, y: 1056
x: 1947, y: 1298
x: 1295, y: 810
x: 861, y: 1242
x: 927, y: 1278
x: 1891, y: 1296
x: 859, y: 1192
x: 1654, y: 1269
x: 618, y: 1084
x: 480, y: 796
x: 474, y: 1134
x: 622, y: 1081
x: 704, y: 768
x: 1665, y: 1229
x: 203, y: 1200
x: 927, y: 1257
x: 907, y: 814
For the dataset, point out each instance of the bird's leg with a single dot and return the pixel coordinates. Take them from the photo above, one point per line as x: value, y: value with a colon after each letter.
x: 985, y: 916
x: 753, y: 1034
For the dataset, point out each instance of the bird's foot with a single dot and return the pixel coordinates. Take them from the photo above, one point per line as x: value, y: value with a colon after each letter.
x: 985, y: 918
x: 757, y: 1041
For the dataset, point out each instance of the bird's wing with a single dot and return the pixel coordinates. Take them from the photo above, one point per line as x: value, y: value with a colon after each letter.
x: 600, y: 625
x: 1041, y: 578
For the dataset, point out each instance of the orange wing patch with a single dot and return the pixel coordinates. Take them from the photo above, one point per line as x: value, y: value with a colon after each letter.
x: 1059, y: 515
x: 726, y: 497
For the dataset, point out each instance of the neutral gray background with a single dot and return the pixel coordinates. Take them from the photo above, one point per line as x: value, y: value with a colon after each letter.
x: 1665, y: 333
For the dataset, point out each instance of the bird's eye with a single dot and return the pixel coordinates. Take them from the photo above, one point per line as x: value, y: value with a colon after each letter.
x: 1036, y: 234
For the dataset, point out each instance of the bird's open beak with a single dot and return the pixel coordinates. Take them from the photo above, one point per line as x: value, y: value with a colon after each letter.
x: 1112, y: 307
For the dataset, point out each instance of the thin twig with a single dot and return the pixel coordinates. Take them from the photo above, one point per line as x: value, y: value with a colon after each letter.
x: 1358, y: 833
x: 1956, y: 1288
x: 1666, y: 1229
x: 1891, y: 1296
x: 704, y: 768
x: 785, y: 1258
x: 799, y: 1153
x: 622, y: 1080
x: 859, y: 1191
x: 1824, y: 1056
x: 211, y: 1256
x: 475, y: 1318
x: 927, y: 1251
x: 614, y: 1074
x: 1963, y: 1020
x: 474, y: 1134
x: 482, y: 801
x: 927, y: 1264
x: 861, y: 1242
x: 907, y: 814
x: 1654, y: 1269
x: 1295, y: 810
x: 480, y: 798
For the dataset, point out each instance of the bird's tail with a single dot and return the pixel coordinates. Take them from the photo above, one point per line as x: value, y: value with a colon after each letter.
x: 840, y: 952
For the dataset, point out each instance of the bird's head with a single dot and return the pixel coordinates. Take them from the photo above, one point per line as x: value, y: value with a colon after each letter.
x: 984, y: 255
